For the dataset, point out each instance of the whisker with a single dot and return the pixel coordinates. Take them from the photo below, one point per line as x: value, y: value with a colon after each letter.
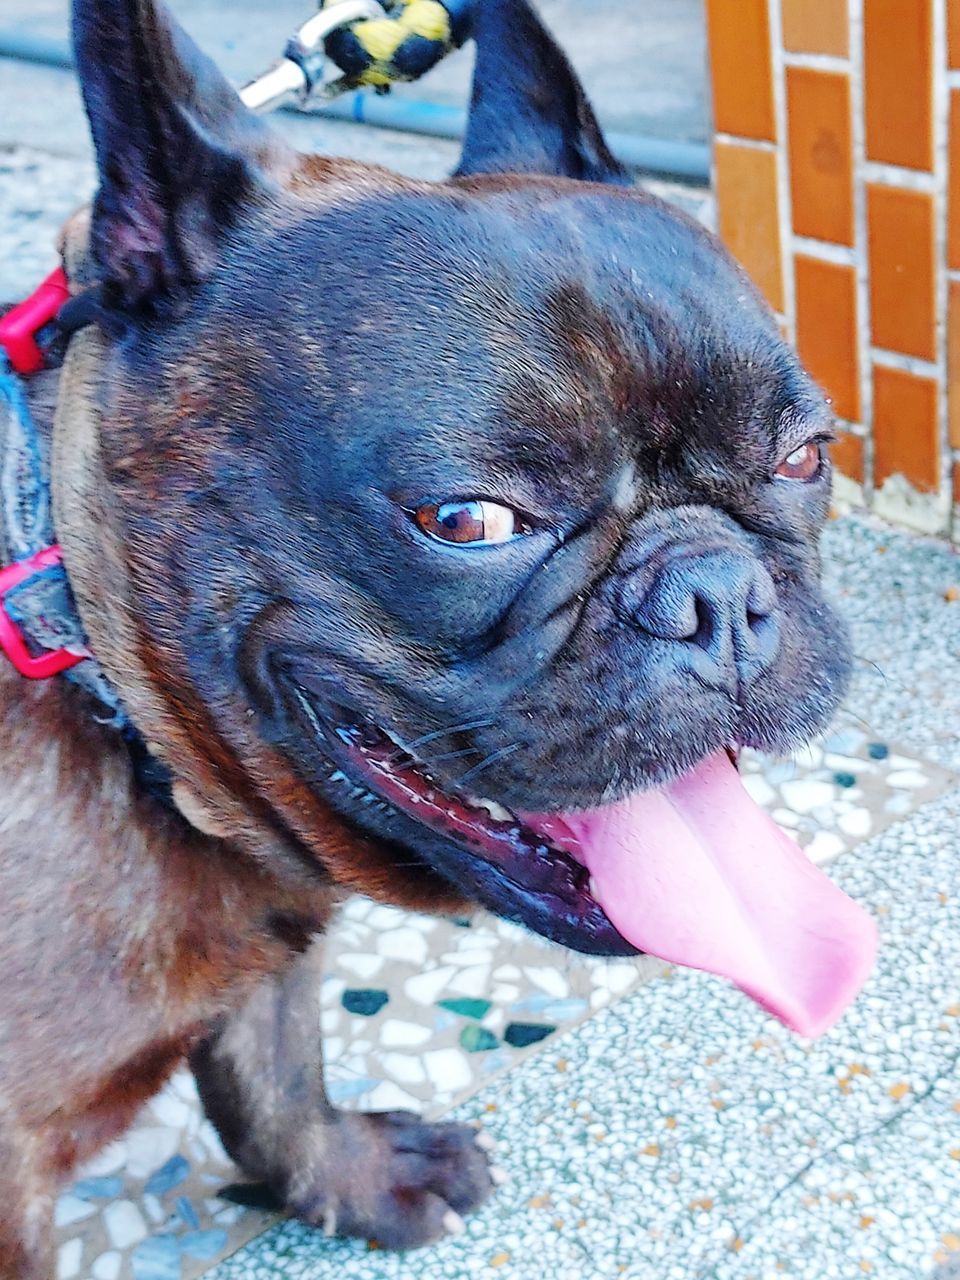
x: 845, y: 711
x: 410, y: 747
x: 488, y: 760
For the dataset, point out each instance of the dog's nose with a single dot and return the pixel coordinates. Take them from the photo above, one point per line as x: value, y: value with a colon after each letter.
x: 722, y: 604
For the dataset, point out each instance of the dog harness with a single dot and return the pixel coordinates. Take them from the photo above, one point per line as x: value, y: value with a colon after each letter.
x: 40, y: 630
x: 41, y: 633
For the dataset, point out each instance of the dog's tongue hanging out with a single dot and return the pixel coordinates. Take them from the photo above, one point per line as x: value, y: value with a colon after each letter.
x: 696, y: 873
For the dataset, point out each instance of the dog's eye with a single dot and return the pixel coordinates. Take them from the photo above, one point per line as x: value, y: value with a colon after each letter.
x: 470, y: 522
x: 804, y: 463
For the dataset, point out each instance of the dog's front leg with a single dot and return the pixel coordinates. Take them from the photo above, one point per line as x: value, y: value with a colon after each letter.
x: 27, y: 1191
x: 387, y: 1176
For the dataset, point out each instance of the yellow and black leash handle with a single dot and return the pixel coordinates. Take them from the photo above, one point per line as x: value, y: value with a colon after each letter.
x: 411, y: 37
x: 371, y: 42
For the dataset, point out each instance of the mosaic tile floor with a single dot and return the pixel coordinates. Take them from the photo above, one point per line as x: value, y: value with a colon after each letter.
x: 684, y: 1135
x: 422, y: 1013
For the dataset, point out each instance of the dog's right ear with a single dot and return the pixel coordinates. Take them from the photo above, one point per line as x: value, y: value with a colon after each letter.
x: 528, y: 111
x: 177, y: 152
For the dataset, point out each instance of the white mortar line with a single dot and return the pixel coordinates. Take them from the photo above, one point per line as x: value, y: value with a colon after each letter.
x: 861, y: 241
x: 941, y: 169
x: 754, y: 144
x: 894, y: 175
x: 840, y: 254
x: 907, y: 364
x: 816, y: 61
x: 783, y: 169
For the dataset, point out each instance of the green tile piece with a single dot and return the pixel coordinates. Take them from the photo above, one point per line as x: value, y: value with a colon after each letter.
x: 466, y: 1007
x: 476, y: 1039
x: 520, y: 1034
x: 364, y: 1000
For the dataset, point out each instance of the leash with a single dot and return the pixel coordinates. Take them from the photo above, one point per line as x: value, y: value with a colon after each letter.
x: 370, y: 43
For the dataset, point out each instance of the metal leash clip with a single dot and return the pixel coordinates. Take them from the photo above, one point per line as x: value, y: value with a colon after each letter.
x: 299, y: 75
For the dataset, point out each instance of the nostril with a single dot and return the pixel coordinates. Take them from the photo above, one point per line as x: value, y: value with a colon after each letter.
x: 705, y: 626
x: 756, y: 620
x: 761, y: 598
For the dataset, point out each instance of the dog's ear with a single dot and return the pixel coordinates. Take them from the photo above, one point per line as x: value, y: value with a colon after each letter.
x: 177, y: 152
x: 528, y: 111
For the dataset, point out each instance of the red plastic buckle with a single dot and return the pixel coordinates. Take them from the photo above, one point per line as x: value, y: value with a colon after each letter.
x: 11, y: 641
x: 19, y: 327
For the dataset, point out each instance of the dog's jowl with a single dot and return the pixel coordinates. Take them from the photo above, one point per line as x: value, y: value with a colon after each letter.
x: 439, y: 542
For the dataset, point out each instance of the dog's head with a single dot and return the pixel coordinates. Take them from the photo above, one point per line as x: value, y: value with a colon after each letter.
x: 467, y: 526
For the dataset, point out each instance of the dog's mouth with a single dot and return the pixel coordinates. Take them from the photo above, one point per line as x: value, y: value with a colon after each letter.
x: 693, y: 872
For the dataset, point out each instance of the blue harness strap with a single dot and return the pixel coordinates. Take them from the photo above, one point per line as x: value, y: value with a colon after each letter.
x: 40, y: 627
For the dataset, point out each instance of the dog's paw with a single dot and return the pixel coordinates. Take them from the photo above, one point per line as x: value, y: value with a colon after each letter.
x: 392, y: 1178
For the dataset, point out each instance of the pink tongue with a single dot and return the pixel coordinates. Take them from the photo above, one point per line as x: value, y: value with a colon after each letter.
x: 697, y: 874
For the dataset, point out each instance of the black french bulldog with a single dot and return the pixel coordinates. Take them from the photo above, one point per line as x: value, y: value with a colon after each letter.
x: 442, y: 542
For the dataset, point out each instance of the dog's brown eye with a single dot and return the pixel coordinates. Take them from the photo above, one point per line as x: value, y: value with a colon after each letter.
x: 803, y: 464
x: 470, y: 522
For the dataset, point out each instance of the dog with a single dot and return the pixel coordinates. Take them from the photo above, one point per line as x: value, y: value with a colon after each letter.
x: 441, y: 542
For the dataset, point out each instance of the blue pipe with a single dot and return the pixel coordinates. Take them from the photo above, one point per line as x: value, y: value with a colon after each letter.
x: 49, y: 53
x: 683, y: 161
x: 687, y: 161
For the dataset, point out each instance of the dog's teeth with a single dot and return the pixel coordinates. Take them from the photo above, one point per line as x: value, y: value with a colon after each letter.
x: 495, y: 810
x: 397, y: 742
x: 453, y: 1224
x: 592, y: 887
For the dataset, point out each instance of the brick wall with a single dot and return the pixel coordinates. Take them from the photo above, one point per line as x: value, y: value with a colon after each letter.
x: 837, y: 174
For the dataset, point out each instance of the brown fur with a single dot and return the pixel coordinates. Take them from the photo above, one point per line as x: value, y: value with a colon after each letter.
x: 148, y: 930
x: 141, y: 927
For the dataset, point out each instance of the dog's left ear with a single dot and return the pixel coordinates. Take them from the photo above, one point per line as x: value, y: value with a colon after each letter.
x: 178, y: 154
x: 528, y: 111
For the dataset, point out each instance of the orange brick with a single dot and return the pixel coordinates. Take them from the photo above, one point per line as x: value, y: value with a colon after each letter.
x: 905, y: 428
x: 953, y: 362
x: 953, y: 186
x: 902, y: 270
x: 898, y: 81
x: 821, y: 157
x: 953, y: 34
x: 827, y: 330
x: 846, y: 454
x: 955, y: 1153
x: 816, y: 26
x: 749, y: 214
x: 741, y: 68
